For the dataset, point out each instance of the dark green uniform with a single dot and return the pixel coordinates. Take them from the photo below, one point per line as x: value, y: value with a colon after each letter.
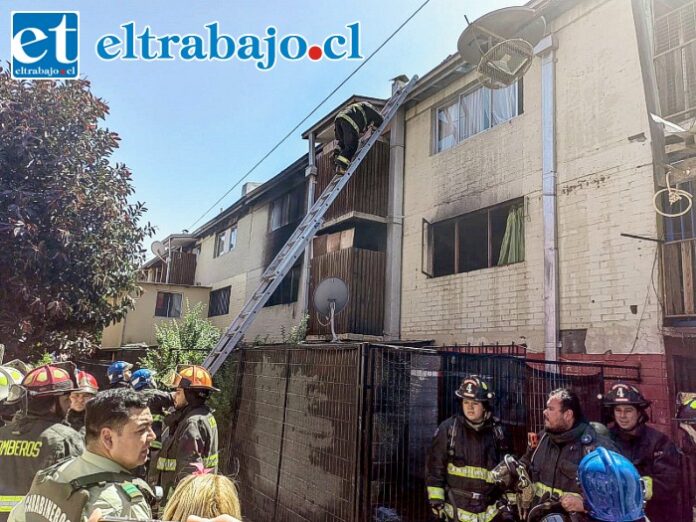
x: 117, y: 493
x: 190, y: 436
x: 28, y: 444
x: 76, y: 420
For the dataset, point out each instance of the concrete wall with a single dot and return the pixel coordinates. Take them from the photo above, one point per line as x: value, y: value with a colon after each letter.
x: 139, y: 324
x: 604, y: 188
x: 241, y: 269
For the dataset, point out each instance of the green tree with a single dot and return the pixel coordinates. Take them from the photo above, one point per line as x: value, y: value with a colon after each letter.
x: 181, y: 341
x: 70, y: 240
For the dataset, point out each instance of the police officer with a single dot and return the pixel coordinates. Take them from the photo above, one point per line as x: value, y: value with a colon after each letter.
x: 118, y: 433
x: 465, y: 449
x: 119, y: 374
x: 567, y: 437
x: 651, y: 452
x: 190, y: 435
x: 349, y: 125
x: 611, y: 487
x: 36, y: 438
x: 87, y: 389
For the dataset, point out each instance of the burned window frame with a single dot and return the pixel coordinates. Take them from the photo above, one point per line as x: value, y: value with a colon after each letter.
x: 216, y: 301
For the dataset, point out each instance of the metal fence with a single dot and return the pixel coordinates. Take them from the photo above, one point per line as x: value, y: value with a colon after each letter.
x: 341, y: 433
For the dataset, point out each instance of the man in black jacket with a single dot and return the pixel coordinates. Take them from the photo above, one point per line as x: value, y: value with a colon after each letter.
x: 567, y: 437
x: 349, y: 125
x: 465, y: 449
x: 651, y: 452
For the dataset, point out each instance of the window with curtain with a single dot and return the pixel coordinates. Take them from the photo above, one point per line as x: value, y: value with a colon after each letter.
x: 168, y: 304
x: 476, y: 111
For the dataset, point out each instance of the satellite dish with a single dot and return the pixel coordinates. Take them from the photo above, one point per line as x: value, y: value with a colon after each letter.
x: 158, y: 249
x: 330, y: 298
x: 501, y: 44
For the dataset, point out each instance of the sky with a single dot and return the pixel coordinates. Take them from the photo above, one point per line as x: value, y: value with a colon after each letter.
x: 191, y: 130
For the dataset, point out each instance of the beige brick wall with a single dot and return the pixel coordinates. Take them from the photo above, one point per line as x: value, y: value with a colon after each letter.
x: 604, y: 188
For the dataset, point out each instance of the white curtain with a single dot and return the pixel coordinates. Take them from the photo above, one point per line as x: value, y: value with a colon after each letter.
x: 474, y: 112
x: 504, y: 103
x: 447, y: 127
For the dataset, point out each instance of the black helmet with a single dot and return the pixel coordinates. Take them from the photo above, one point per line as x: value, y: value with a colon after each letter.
x: 625, y: 394
x: 686, y: 408
x: 474, y: 388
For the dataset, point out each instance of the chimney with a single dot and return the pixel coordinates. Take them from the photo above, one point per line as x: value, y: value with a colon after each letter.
x: 248, y: 187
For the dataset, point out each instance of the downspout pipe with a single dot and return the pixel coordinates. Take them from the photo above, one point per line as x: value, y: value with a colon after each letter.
x: 311, y: 175
x: 546, y: 50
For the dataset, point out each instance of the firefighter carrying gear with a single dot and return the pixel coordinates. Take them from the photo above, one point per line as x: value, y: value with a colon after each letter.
x: 349, y: 125
x: 190, y: 437
x: 553, y: 464
x: 28, y: 444
x: 80, y: 485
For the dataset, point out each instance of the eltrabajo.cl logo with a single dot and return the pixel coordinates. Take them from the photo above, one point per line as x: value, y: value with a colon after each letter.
x: 44, y: 45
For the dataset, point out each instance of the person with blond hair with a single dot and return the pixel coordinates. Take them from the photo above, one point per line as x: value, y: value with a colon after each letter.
x: 204, y: 495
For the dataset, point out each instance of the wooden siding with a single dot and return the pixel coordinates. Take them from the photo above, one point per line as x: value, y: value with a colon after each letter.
x: 182, y: 272
x: 363, y: 272
x: 678, y: 259
x: 367, y: 190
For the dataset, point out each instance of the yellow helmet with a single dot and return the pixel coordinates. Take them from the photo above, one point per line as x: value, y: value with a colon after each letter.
x: 193, y: 377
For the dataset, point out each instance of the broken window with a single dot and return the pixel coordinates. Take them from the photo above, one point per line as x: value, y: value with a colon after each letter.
x: 481, y: 239
x: 232, y: 238
x: 168, y: 304
x: 289, y: 287
x: 474, y: 112
x: 219, y: 303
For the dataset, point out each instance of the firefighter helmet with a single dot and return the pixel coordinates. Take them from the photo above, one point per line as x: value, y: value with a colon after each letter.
x: 194, y: 378
x: 8, y: 376
x: 87, y: 383
x: 48, y: 380
x: 625, y: 394
x: 117, y: 371
x: 612, y: 486
x: 143, y: 378
x: 686, y: 408
x: 476, y: 389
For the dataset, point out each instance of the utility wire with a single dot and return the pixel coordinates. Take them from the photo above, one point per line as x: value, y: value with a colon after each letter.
x: 315, y: 109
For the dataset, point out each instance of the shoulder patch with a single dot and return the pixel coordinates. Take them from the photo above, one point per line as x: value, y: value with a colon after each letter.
x: 131, y: 490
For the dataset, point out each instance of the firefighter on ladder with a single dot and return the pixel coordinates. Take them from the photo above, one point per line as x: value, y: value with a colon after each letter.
x: 190, y: 436
x: 350, y: 124
x: 465, y: 449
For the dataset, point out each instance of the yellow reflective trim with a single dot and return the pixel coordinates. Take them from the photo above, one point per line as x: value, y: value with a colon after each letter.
x: 471, y: 472
x: 156, y: 417
x: 435, y: 493
x: 7, y: 502
x: 541, y: 488
x: 347, y: 118
x: 212, y: 422
x: 155, y: 444
x: 648, y: 481
x: 467, y: 516
x: 211, y: 461
x: 166, y: 464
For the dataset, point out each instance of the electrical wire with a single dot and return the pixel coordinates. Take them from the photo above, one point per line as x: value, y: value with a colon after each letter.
x: 315, y: 109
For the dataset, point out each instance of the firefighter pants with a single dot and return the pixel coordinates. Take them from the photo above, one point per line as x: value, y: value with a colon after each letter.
x: 348, y: 140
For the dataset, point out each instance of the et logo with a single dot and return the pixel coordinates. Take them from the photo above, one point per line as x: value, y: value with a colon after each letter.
x: 45, y: 45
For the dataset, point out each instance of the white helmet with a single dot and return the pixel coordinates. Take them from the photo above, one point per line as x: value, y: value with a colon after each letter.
x: 8, y: 377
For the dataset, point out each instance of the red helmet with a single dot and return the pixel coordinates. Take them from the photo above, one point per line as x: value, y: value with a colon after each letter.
x: 625, y: 394
x: 48, y: 380
x: 87, y: 382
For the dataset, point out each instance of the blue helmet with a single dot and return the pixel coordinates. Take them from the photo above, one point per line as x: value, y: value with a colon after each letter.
x: 143, y: 378
x: 612, y: 486
x: 117, y: 371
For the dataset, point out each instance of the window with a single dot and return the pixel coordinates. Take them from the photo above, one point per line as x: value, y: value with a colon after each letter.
x: 232, y: 238
x: 219, y: 243
x: 289, y: 287
x: 474, y: 112
x: 219, y: 303
x: 287, y: 208
x: 481, y: 239
x: 168, y: 305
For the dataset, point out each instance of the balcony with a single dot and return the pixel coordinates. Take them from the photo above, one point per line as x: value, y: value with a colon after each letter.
x: 182, y: 270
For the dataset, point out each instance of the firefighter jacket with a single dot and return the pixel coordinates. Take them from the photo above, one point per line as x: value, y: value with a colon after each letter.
x: 159, y: 402
x: 28, y: 444
x: 360, y: 116
x: 190, y: 437
x: 657, y: 460
x: 76, y: 420
x: 553, y: 465
x: 70, y: 490
x: 461, y: 458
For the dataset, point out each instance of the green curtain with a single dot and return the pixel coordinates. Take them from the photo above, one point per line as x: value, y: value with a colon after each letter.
x: 512, y: 248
